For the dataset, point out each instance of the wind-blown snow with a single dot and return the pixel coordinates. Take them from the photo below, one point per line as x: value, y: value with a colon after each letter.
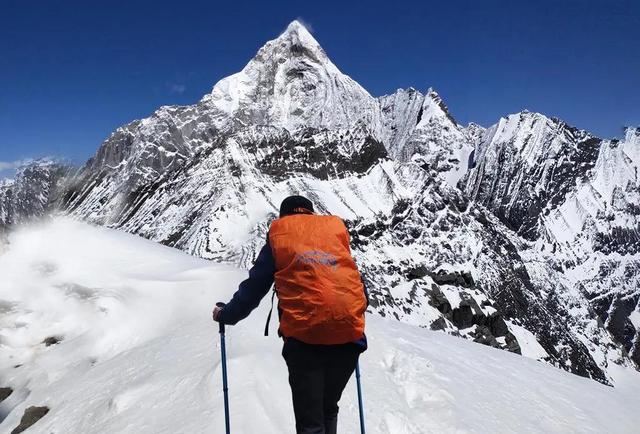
x: 139, y: 354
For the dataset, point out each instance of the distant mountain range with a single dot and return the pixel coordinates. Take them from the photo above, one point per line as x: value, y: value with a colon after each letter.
x: 524, y: 236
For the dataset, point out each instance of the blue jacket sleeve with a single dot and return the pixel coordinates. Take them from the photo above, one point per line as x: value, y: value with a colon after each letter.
x: 253, y: 289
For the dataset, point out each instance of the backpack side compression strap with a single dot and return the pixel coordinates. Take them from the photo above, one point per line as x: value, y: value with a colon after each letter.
x: 266, y: 326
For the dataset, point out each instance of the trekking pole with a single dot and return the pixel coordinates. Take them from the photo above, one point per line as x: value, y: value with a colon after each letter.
x: 360, y: 405
x: 225, y: 389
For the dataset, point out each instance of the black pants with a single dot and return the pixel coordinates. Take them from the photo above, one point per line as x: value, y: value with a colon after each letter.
x: 318, y: 374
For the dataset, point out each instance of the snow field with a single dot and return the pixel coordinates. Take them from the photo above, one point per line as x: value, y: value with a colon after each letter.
x: 139, y: 354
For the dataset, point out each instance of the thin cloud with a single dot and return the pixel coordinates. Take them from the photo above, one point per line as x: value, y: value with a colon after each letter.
x: 307, y: 25
x: 10, y: 165
x: 177, y: 88
x: 14, y: 165
x: 8, y: 169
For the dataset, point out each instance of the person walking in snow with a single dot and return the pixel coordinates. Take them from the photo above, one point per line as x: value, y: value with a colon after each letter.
x: 321, y: 306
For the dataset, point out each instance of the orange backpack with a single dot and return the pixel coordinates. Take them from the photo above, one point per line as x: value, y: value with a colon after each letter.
x: 321, y: 296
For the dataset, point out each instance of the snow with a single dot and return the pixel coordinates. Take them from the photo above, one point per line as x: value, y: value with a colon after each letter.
x: 635, y: 319
x: 453, y: 295
x: 430, y: 109
x: 7, y: 182
x: 615, y: 170
x: 401, y: 291
x: 529, y: 346
x: 292, y: 91
x: 140, y: 355
x: 425, y: 133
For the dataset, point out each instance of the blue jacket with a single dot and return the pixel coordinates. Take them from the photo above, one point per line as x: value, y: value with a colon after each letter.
x: 254, y: 288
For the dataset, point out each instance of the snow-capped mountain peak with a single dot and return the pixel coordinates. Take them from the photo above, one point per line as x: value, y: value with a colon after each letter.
x: 418, y: 127
x: 296, y: 34
x: 533, y: 135
x: 632, y: 137
x: 291, y: 83
x: 433, y: 106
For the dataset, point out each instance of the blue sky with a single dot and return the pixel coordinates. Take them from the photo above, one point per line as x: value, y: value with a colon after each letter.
x: 71, y: 72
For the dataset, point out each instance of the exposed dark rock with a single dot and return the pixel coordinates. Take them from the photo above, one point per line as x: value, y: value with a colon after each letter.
x: 282, y: 155
x: 52, y: 340
x: 483, y: 336
x: 5, y: 392
x: 462, y: 317
x: 456, y: 278
x: 438, y: 300
x: 29, y: 418
x: 417, y: 273
x: 619, y: 240
x: 497, y: 325
x: 32, y: 193
x: 512, y: 344
x: 618, y: 322
x: 438, y: 324
x: 635, y: 351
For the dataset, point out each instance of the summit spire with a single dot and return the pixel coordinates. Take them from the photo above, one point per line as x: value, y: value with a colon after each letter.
x: 297, y: 27
x: 292, y: 83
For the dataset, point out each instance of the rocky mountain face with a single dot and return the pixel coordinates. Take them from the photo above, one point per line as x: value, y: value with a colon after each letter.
x: 575, y: 197
x: 528, y: 162
x: 29, y: 194
x: 522, y: 236
x: 420, y: 129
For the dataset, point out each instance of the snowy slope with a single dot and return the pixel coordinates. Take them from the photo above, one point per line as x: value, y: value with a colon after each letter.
x: 140, y: 355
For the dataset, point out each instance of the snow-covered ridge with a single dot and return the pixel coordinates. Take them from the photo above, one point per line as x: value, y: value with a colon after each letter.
x: 138, y: 353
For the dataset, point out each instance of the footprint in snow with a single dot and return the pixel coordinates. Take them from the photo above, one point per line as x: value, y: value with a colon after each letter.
x: 416, y: 379
x: 130, y: 397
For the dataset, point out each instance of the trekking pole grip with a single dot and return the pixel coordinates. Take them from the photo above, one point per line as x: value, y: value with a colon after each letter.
x: 221, y: 305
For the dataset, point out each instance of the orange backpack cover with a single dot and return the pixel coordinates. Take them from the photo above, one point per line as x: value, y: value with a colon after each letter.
x: 321, y: 296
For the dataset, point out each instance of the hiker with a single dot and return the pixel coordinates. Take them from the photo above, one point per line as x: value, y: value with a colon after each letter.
x: 321, y: 305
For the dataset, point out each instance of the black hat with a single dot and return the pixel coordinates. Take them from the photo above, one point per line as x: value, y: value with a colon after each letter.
x: 295, y: 205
